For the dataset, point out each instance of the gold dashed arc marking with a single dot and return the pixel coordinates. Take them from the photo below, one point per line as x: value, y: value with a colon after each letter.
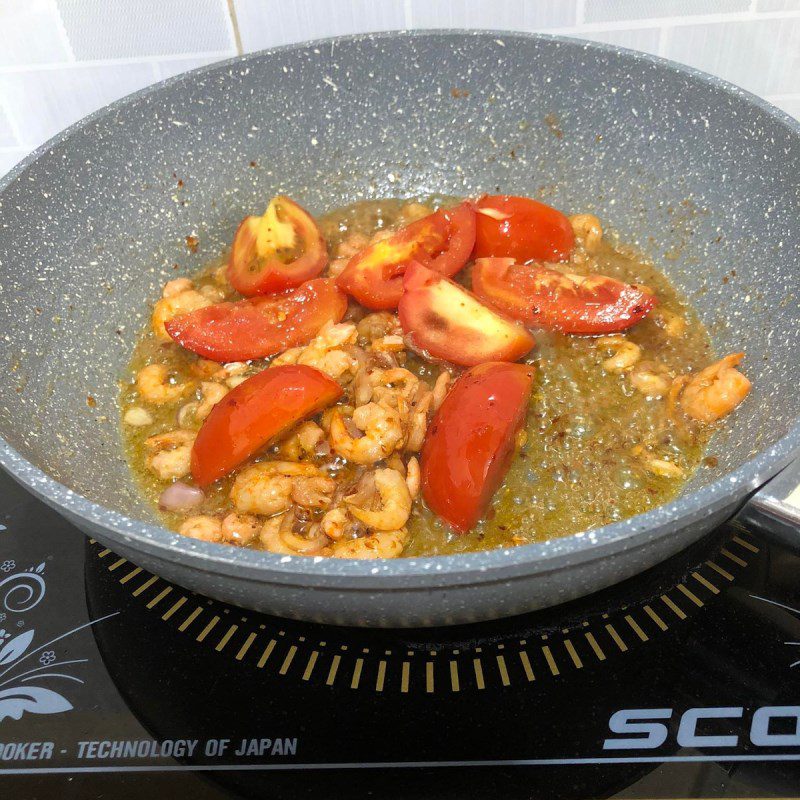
x: 747, y: 545
x: 718, y: 569
x: 636, y: 628
x: 287, y: 662
x: 404, y: 676
x: 245, y: 647
x: 573, y: 654
x: 551, y: 662
x: 333, y: 670
x: 145, y: 586
x: 612, y: 632
x: 736, y: 560
x: 598, y: 651
x: 526, y: 665
x: 103, y: 553
x: 159, y: 597
x: 676, y: 610
x: 690, y: 594
x: 478, y: 668
x: 430, y: 684
x: 653, y: 616
x: 356, y: 679
x: 312, y: 660
x: 501, y: 665
x: 117, y: 564
x: 190, y: 619
x: 132, y: 574
x: 173, y: 608
x: 705, y: 582
x: 380, y: 679
x: 266, y: 654
x: 455, y: 683
x: 226, y: 638
x: 208, y: 628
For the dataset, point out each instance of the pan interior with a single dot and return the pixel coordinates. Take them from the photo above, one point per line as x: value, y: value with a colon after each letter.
x: 698, y: 176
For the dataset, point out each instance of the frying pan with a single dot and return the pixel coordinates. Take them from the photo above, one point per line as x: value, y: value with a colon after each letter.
x: 700, y: 174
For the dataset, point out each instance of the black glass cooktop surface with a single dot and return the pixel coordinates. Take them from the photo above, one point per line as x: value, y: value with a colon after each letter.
x: 683, y: 682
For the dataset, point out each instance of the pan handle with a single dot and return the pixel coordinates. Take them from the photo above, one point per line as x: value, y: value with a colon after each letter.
x: 774, y: 509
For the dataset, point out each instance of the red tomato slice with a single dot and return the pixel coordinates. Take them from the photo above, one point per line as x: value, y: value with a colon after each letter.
x: 446, y: 321
x: 279, y: 250
x: 256, y: 412
x: 471, y: 440
x: 443, y: 241
x: 262, y: 326
x: 522, y: 229
x: 555, y: 301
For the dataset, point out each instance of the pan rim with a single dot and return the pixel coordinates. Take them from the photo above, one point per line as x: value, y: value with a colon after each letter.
x: 477, y: 567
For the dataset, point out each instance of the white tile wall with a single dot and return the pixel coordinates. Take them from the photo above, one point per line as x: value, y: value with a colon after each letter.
x: 61, y: 59
x: 523, y: 15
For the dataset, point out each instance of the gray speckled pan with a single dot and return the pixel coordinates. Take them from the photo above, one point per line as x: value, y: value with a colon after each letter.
x: 701, y: 174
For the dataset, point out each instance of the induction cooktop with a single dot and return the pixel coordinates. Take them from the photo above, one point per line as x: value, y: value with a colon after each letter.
x: 681, y: 682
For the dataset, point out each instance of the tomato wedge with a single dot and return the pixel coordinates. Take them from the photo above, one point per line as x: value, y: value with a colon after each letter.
x: 556, y: 301
x: 256, y: 412
x: 446, y: 321
x: 261, y: 326
x: 471, y: 440
x: 522, y: 229
x: 442, y: 241
x: 279, y: 250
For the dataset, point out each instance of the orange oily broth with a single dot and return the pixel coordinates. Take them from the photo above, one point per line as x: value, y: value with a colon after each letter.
x: 575, y: 470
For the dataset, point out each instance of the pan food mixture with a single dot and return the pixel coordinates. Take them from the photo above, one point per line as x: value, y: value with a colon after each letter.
x: 400, y: 378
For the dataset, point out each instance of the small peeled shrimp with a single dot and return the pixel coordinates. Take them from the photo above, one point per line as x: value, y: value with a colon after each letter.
x: 303, y: 442
x: 277, y: 536
x: 388, y: 384
x: 379, y: 324
x: 440, y: 389
x: 324, y: 351
x: 314, y: 492
x: 169, y: 454
x: 413, y: 477
x: 137, y: 417
x: 663, y: 468
x: 587, y: 227
x: 716, y: 390
x: 240, y: 529
x: 381, y: 544
x: 651, y: 379
x: 395, y: 502
x: 176, y: 286
x: 335, y: 523
x: 267, y: 487
x: 173, y: 306
x: 674, y: 325
x: 212, y: 393
x: 154, y: 385
x: 418, y: 424
x: 626, y: 353
x: 383, y: 432
x: 203, y: 527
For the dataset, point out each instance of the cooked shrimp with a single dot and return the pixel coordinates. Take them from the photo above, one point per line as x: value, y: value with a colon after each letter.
x: 155, y: 385
x: 716, y: 390
x: 663, y: 468
x: 390, y: 384
x: 325, y: 353
x: 303, y: 441
x: 381, y: 544
x: 440, y: 389
x: 137, y: 417
x: 418, y: 424
x: 395, y: 502
x: 377, y: 325
x: 383, y: 432
x: 651, y: 379
x: 393, y: 343
x: 626, y: 353
x: 413, y: 477
x: 203, y: 527
x: 266, y: 487
x: 277, y: 536
x: 211, y: 393
x: 313, y: 492
x: 176, y: 286
x: 413, y: 211
x: 587, y: 227
x: 674, y: 325
x: 240, y: 529
x: 212, y: 293
x: 353, y: 244
x: 173, y: 306
x: 335, y: 523
x: 170, y: 453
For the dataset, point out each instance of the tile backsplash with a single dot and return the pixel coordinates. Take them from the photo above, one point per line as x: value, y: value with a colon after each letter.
x: 62, y: 59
